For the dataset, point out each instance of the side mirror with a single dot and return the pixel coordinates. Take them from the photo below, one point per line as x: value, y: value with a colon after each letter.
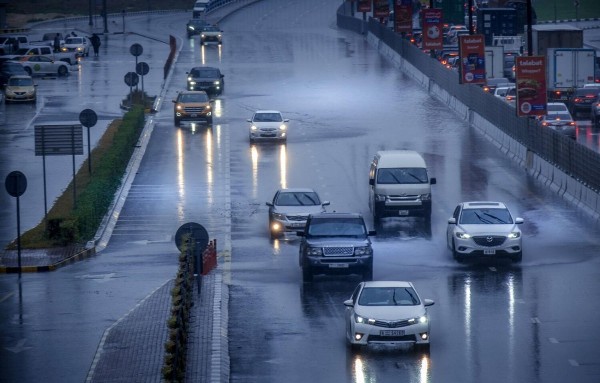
x: 222, y: 75
x: 428, y: 302
x: 326, y: 203
x: 249, y: 120
x: 519, y: 220
x: 371, y: 181
x: 452, y: 221
x: 372, y: 232
x: 349, y: 303
x: 433, y: 181
x: 175, y: 101
x: 269, y: 204
x: 286, y: 120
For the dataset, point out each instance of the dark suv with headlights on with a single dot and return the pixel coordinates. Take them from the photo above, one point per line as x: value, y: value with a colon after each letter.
x: 336, y: 243
x: 208, y: 79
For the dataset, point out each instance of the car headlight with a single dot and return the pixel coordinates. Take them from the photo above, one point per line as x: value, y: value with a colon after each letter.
x: 425, y: 197
x: 363, y: 250
x: 360, y: 319
x: 202, y: 35
x: 190, y: 27
x: 217, y: 82
x: 178, y: 106
x: 462, y: 235
x: 380, y: 197
x: 279, y: 216
x: 253, y: 128
x: 282, y: 127
x: 314, y: 251
x: 420, y: 319
x: 190, y: 79
x: 514, y: 234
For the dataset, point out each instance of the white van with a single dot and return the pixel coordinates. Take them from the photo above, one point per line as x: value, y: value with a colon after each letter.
x: 399, y: 185
x: 199, y: 8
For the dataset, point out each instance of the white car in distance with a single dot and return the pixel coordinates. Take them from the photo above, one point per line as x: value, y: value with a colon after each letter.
x: 268, y: 125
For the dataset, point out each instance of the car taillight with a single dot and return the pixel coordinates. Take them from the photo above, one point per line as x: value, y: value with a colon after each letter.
x: 577, y: 99
x: 572, y: 123
x: 544, y: 123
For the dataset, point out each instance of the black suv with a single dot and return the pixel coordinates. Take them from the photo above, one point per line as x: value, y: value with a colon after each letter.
x: 194, y: 27
x: 334, y: 243
x: 208, y: 79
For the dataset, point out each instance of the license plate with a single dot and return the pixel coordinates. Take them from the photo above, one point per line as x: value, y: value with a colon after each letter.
x: 338, y: 265
x: 297, y: 225
x: 391, y: 332
x: 402, y: 212
x: 193, y: 115
x: 489, y: 252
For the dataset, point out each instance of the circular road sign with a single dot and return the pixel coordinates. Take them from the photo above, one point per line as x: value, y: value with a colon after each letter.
x: 131, y: 79
x: 136, y: 49
x: 16, y: 183
x: 196, y: 231
x: 142, y: 68
x: 88, y: 118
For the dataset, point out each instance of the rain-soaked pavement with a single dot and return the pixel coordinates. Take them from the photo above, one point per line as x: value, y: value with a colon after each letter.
x: 493, y: 321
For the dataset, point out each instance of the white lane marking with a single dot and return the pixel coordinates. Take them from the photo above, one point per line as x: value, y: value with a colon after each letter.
x: 5, y: 297
x: 535, y: 320
x: 573, y: 363
x: 553, y: 340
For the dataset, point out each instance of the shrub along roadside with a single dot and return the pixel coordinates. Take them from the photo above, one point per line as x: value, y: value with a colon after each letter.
x: 67, y: 226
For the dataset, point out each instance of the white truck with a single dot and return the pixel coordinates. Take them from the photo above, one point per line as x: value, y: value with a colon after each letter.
x: 568, y: 69
x: 511, y: 44
x: 494, y: 62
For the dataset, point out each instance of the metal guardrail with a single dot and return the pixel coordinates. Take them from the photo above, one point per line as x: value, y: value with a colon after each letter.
x: 576, y: 160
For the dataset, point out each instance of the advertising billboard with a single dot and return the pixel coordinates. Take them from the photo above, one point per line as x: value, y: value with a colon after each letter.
x: 403, y: 16
x: 433, y: 37
x: 381, y: 8
x: 531, y: 85
x: 364, y: 6
x: 472, y: 59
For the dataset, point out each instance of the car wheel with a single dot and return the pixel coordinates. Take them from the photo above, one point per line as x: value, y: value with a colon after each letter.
x: 307, y: 275
x: 355, y: 347
x: 518, y: 257
x: 62, y: 70
x: 368, y: 274
x: 459, y: 258
x: 422, y: 347
x: 177, y: 122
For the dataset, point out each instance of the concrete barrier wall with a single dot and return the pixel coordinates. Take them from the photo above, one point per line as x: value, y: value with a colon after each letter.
x: 557, y: 180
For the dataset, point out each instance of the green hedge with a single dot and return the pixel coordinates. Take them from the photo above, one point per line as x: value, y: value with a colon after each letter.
x: 96, y: 196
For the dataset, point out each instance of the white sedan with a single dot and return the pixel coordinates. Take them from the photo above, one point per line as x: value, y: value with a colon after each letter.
x: 268, y: 125
x: 290, y: 208
x: 44, y: 65
x: 484, y: 228
x: 79, y: 45
x: 387, y: 312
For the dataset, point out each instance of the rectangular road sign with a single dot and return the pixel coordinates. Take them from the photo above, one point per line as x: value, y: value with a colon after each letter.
x: 58, y: 140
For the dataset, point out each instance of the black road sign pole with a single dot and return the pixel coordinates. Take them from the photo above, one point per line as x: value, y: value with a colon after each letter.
x: 44, y: 171
x: 89, y: 151
x: 74, y: 179
x: 16, y: 184
x: 88, y: 118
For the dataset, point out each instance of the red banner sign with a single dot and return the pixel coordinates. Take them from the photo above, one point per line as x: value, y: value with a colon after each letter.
x: 381, y: 8
x: 433, y: 37
x: 531, y: 85
x: 364, y: 6
x: 472, y: 59
x: 403, y: 17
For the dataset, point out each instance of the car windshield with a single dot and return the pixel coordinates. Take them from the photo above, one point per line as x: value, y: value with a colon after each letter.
x: 336, y: 227
x: 388, y: 296
x: 267, y: 117
x: 402, y: 176
x: 297, y: 199
x: 13, y: 68
x: 211, y: 28
x: 74, y: 40
x: 193, y: 97
x: 556, y: 107
x: 197, y: 23
x: 208, y: 73
x: 485, y: 216
x: 20, y: 81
